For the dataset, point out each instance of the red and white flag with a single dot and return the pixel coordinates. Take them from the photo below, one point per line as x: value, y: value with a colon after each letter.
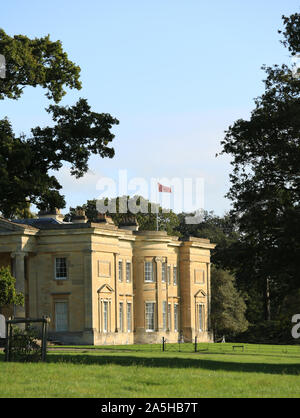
x: 165, y: 189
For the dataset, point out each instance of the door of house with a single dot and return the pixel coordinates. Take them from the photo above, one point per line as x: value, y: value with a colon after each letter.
x: 61, y: 316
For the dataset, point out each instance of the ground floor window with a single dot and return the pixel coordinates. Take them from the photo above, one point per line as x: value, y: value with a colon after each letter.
x: 129, y: 317
x: 200, y: 317
x: 105, y: 316
x: 61, y: 316
x: 150, y: 316
x: 169, y: 317
x: 121, y: 316
x: 164, y: 316
x: 176, y: 317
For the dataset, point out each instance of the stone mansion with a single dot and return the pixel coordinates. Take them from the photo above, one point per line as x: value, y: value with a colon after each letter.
x: 101, y: 284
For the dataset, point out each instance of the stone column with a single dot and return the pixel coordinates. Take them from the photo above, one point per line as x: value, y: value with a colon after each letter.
x: 19, y: 274
x: 208, y: 297
x: 88, y: 334
x: 116, y: 255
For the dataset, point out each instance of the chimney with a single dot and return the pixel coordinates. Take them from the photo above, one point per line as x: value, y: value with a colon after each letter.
x: 103, y: 218
x: 130, y: 223
x: 53, y: 214
x: 79, y: 217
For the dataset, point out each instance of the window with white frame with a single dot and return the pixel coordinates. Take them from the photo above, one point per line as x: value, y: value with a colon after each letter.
x: 150, y: 316
x: 169, y: 274
x: 149, y: 271
x: 164, y: 272
x: 60, y: 268
x: 120, y: 270
x: 61, y: 316
x: 200, y: 317
x: 174, y: 275
x: 164, y: 315
x: 129, y: 317
x: 105, y: 316
x: 169, y: 317
x: 128, y: 271
x: 121, y: 317
x: 176, y: 317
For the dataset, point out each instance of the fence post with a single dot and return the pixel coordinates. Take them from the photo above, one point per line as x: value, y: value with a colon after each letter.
x: 196, y: 344
x: 6, y: 341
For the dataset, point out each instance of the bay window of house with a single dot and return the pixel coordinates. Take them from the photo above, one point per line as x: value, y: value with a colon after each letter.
x: 149, y: 277
x: 61, y: 268
x: 150, y: 316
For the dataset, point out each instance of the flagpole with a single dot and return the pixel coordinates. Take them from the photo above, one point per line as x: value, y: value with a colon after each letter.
x: 157, y: 193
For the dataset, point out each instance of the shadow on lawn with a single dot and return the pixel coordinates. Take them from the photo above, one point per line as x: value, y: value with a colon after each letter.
x: 213, y: 365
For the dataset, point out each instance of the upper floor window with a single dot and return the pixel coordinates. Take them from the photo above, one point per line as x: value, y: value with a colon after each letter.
x: 60, y: 268
x: 169, y: 274
x: 128, y: 272
x: 174, y: 275
x: 120, y: 270
x: 164, y: 272
x: 149, y: 271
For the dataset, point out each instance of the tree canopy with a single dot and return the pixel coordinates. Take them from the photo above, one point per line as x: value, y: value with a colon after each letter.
x: 36, y: 62
x: 77, y: 133
x: 8, y: 293
x: 265, y: 182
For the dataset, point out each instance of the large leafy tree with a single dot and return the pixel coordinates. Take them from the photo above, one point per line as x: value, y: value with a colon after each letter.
x: 228, y: 307
x: 8, y: 293
x: 78, y: 132
x: 36, y: 62
x: 25, y: 162
x: 145, y: 214
x: 265, y: 182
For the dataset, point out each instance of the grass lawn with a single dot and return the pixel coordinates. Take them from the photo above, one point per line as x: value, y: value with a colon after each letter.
x: 132, y: 374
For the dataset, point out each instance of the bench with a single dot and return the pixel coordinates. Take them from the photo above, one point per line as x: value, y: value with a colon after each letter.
x: 237, y: 346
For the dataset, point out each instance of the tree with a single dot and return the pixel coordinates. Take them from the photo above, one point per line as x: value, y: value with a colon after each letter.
x: 265, y: 183
x: 227, y: 305
x: 36, y: 62
x: 146, y: 217
x: 221, y: 230
x: 8, y: 293
x: 25, y: 162
x: 78, y: 132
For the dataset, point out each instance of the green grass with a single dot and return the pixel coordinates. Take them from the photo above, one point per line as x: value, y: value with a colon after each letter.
x: 259, y: 371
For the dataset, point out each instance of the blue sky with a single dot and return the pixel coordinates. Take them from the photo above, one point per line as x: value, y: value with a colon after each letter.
x: 175, y: 73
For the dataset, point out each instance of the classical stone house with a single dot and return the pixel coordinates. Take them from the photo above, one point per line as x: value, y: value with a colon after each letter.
x: 101, y: 284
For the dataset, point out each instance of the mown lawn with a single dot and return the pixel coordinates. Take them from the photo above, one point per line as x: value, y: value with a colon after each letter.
x: 149, y: 374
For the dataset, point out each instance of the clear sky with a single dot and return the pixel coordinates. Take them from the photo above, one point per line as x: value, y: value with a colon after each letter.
x: 175, y: 73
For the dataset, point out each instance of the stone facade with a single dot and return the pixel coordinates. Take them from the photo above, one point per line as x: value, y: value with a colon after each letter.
x: 101, y: 284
